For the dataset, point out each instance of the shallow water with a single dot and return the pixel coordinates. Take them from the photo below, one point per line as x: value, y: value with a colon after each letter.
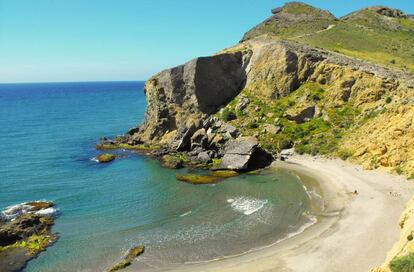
x: 47, y: 136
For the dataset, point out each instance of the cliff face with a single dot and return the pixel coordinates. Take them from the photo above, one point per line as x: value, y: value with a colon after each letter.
x: 190, y: 92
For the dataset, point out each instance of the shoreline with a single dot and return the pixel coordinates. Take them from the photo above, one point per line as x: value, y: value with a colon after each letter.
x: 355, y: 230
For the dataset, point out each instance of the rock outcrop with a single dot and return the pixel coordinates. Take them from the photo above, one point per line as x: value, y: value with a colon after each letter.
x: 190, y: 92
x: 24, y: 232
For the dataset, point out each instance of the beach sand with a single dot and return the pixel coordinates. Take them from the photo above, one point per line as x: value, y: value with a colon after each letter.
x: 354, y: 231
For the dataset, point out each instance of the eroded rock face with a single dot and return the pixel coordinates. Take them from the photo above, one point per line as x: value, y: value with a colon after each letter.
x: 194, y: 90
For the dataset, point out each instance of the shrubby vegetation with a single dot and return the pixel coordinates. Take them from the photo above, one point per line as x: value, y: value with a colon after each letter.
x: 403, y: 264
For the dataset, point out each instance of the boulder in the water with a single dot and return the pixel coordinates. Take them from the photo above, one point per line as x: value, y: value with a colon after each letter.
x: 105, y: 158
x: 128, y: 259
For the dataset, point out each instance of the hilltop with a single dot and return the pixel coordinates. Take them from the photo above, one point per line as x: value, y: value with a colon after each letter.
x: 377, y: 34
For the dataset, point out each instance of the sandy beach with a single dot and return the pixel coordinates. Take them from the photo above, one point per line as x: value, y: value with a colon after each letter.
x: 354, y: 231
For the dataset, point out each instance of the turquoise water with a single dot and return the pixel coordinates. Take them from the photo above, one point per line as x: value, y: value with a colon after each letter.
x: 47, y: 137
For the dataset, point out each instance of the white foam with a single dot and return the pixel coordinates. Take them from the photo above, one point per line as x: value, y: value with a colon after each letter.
x: 247, y: 205
x: 47, y: 212
x: 94, y: 159
x: 12, y: 212
x: 186, y: 213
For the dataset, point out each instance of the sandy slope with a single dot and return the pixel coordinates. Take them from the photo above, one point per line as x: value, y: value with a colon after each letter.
x: 354, y: 233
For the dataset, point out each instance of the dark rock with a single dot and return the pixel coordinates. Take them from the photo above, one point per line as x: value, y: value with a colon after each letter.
x: 133, y: 253
x: 172, y: 162
x: 242, y: 104
x: 229, y: 129
x: 244, y: 154
x: 199, y: 139
x: 184, y: 143
x: 204, y: 157
x: 389, y: 12
x: 303, y: 116
x: 277, y: 10
x: 14, y: 259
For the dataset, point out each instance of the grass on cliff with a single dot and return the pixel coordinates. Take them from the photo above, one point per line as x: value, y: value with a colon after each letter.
x: 403, y: 264
x: 365, y: 35
x: 319, y: 135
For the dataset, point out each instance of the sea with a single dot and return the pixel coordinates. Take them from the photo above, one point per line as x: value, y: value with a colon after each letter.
x: 48, y: 133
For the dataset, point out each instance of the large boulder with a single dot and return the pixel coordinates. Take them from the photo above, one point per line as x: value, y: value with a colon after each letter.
x: 244, y: 154
x: 303, y: 116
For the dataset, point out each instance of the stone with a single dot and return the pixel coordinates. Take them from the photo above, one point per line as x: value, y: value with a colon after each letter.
x: 204, y: 157
x: 184, y: 140
x: 302, y: 116
x: 172, y: 162
x: 287, y: 152
x: 105, y: 158
x: 197, y: 179
x: 242, y: 104
x: 231, y: 130
x: 271, y: 129
x: 24, y: 232
x: 199, y: 138
x: 244, y: 154
x: 133, y: 253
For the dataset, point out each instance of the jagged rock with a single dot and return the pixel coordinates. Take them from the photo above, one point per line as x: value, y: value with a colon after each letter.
x: 242, y: 104
x: 184, y: 140
x: 204, y: 157
x: 271, y: 129
x: 217, y: 141
x: 199, y: 138
x: 303, y: 116
x: 133, y: 253
x: 244, y: 154
x: 172, y: 162
x: 28, y: 224
x: 389, y: 12
x: 229, y: 130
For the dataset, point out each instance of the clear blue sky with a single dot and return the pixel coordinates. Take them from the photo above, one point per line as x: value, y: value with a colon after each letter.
x: 87, y: 40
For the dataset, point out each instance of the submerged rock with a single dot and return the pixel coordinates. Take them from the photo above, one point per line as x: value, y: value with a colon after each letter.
x: 196, y: 179
x: 105, y: 158
x: 128, y: 259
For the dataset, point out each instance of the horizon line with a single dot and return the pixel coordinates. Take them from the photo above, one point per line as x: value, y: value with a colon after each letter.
x: 71, y: 81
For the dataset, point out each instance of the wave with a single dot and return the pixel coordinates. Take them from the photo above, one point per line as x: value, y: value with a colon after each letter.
x: 247, y: 205
x: 186, y: 213
x: 12, y: 212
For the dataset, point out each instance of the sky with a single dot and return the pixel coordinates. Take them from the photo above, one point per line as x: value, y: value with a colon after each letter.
x: 105, y: 40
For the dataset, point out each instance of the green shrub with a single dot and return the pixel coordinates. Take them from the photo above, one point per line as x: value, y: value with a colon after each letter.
x: 388, y: 100
x: 228, y: 115
x: 345, y: 154
x: 403, y: 264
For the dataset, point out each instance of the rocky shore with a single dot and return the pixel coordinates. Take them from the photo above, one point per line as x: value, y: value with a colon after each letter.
x: 25, y: 231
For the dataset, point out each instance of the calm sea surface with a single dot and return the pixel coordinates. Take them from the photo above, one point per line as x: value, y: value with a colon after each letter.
x: 48, y: 134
